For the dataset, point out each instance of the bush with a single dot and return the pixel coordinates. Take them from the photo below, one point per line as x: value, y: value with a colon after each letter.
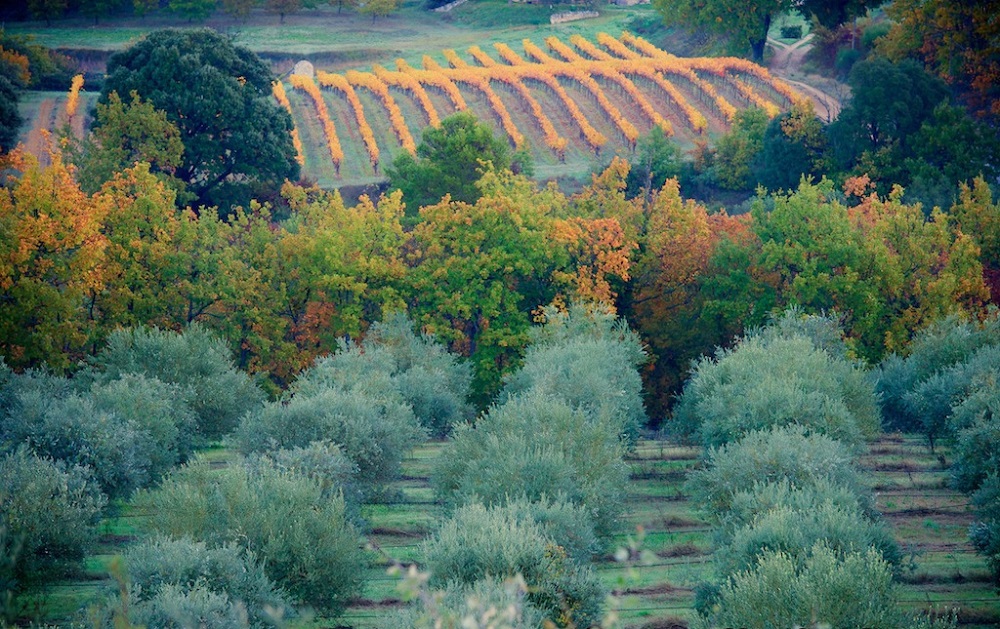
x: 933, y: 398
x: 155, y: 408
x: 373, y: 432
x: 941, y: 345
x: 537, y: 447
x: 590, y: 375
x: 985, y: 531
x: 321, y: 461
x: 48, y: 517
x: 301, y: 535
x: 486, y: 604
x: 174, y: 606
x: 74, y: 430
x: 194, y: 360
x: 977, y: 455
x: 393, y: 358
x: 766, y: 382
x: 795, y: 532
x: 164, y: 569
x: 852, y: 590
x: 791, y: 32
x: 481, y: 542
x: 745, y: 506
x: 768, y: 456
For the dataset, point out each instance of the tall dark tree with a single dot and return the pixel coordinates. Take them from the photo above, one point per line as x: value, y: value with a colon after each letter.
x: 219, y: 97
x: 10, y: 117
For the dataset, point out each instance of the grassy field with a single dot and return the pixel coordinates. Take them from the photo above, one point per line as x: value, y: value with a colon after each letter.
x: 928, y: 519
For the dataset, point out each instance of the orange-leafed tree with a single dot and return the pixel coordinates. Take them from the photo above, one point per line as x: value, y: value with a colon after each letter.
x: 51, y: 256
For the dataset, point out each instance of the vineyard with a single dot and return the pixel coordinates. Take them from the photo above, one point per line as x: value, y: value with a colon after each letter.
x: 567, y: 102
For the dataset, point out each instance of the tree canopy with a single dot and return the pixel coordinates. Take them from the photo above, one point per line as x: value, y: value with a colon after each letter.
x: 449, y: 160
x: 219, y: 97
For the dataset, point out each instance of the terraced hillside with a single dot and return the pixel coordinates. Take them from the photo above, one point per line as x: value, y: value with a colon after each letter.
x: 572, y: 104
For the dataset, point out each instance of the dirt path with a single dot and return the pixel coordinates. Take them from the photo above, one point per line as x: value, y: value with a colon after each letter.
x: 787, y: 64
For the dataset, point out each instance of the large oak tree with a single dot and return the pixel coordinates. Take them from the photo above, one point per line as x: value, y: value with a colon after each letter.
x: 219, y: 97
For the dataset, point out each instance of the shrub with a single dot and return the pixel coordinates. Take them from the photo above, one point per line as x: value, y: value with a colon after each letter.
x: 941, y: 345
x: 393, y: 360
x: 977, y: 455
x: 486, y: 604
x: 373, y: 432
x: 762, y: 497
x: 780, y: 454
x: 74, y: 430
x: 155, y: 408
x: 538, y: 447
x: 985, y: 531
x: 48, y: 516
x: 194, y: 360
x: 852, y: 590
x: 301, y: 535
x: 588, y: 357
x: 480, y: 542
x: 933, y: 398
x: 766, y: 382
x: 795, y: 532
x: 321, y: 461
x: 174, y: 606
x: 156, y: 566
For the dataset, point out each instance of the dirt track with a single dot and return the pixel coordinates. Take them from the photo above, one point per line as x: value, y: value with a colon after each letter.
x: 787, y: 64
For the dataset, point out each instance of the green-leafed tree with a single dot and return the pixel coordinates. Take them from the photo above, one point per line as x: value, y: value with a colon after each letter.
x: 379, y: 8
x: 192, y: 9
x: 239, y: 9
x: 449, y: 160
x: 47, y: 10
x: 97, y: 9
x: 123, y: 134
x: 219, y: 97
x: 737, y: 151
x: 746, y: 23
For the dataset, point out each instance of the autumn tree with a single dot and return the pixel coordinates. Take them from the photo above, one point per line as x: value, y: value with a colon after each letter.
x: 51, y: 255
x: 378, y: 8
x: 123, y: 134
x: 884, y: 265
x: 957, y: 39
x: 478, y: 270
x: 794, y: 145
x: 233, y: 132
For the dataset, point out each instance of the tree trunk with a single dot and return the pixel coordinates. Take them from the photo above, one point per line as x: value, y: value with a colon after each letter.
x: 757, y: 47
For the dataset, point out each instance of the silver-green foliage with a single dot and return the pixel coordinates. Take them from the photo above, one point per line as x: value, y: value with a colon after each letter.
x: 194, y: 360
x: 537, y: 446
x: 768, y: 381
x: 75, y: 430
x: 941, y: 345
x: 48, y: 514
x: 373, y: 432
x: 299, y: 532
x: 795, y: 531
x: 163, y: 572
x: 827, y: 586
x: 486, y: 604
x: 129, y: 431
x: 780, y: 454
x: 589, y: 358
x: 934, y: 398
x: 480, y: 542
x: 394, y: 360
